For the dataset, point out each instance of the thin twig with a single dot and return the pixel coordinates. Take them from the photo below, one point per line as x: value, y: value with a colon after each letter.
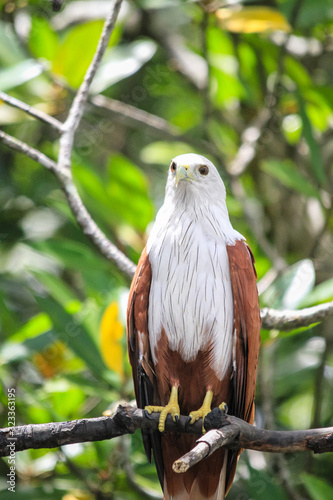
x: 249, y: 143
x: 36, y: 113
x: 22, y: 147
x: 80, y: 100
x: 288, y: 320
x: 82, y: 216
x: 135, y: 114
x: 234, y: 434
x: 90, y: 228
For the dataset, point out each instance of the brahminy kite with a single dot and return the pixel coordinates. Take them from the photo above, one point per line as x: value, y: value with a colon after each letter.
x: 193, y: 325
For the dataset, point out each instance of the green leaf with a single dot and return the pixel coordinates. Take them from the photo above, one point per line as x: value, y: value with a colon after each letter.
x: 43, y: 41
x: 161, y: 152
x: 11, y: 49
x: 56, y: 287
x: 71, y: 253
x: 317, y: 488
x: 121, y: 62
x: 92, y: 186
x: 74, y: 335
x: 288, y: 290
x: 261, y: 486
x: 295, y: 412
x: 128, y: 191
x: 76, y: 51
x: 288, y: 174
x: 36, y: 325
x: 297, y: 72
x: 74, y: 54
x: 20, y: 73
x: 321, y: 293
x: 316, y: 158
x: 310, y: 14
x: 14, y: 351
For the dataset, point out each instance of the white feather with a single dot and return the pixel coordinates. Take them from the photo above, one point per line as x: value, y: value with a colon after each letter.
x: 191, y: 294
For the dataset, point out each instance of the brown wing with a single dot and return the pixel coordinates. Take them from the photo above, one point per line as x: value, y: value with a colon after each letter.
x: 246, y: 328
x: 140, y: 356
x: 246, y: 338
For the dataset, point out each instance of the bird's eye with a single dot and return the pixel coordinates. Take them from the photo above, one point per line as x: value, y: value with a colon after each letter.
x: 203, y: 169
x: 173, y: 167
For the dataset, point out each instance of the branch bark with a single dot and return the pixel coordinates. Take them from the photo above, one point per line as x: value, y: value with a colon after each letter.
x: 234, y: 433
x: 36, y: 113
x: 288, y: 320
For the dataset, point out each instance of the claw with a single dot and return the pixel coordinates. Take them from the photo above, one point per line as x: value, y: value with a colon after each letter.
x: 147, y: 414
x: 188, y: 420
x: 224, y: 407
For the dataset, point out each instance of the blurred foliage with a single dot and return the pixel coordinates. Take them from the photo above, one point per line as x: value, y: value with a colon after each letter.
x: 209, y: 77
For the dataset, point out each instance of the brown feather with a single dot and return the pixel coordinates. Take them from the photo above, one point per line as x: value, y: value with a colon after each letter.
x: 137, y: 320
x: 247, y: 331
x: 194, y: 379
x: 144, y: 379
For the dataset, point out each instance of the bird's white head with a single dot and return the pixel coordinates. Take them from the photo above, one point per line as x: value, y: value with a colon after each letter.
x: 194, y: 192
x: 193, y: 176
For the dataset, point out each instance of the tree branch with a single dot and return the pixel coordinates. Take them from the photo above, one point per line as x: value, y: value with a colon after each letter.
x: 234, y: 433
x: 22, y: 147
x: 36, y: 113
x: 90, y: 228
x: 135, y: 114
x: 80, y: 100
x: 249, y: 143
x: 82, y: 216
x: 288, y: 320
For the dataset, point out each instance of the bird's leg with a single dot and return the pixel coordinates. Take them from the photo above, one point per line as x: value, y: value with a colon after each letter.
x: 172, y: 407
x: 203, y: 411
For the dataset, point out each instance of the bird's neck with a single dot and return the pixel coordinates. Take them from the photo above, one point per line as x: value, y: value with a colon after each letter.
x: 212, y: 220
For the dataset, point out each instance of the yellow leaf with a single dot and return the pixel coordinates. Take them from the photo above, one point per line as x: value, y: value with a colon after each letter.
x: 51, y: 360
x: 252, y: 20
x: 112, y: 332
x: 77, y: 495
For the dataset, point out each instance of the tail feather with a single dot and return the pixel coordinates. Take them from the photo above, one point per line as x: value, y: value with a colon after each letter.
x: 205, y: 481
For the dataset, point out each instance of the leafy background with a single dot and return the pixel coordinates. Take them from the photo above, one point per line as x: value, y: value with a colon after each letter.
x: 184, y: 81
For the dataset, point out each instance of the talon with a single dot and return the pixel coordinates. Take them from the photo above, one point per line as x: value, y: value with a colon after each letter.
x: 188, y: 420
x: 172, y: 407
x: 203, y: 411
x: 147, y: 413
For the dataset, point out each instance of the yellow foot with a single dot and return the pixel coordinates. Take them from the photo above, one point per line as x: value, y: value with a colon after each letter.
x: 203, y: 411
x: 172, y: 407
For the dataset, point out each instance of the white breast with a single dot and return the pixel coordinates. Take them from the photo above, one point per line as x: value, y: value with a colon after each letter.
x: 191, y: 294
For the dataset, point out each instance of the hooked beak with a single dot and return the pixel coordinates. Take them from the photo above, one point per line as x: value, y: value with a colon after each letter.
x: 183, y: 174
